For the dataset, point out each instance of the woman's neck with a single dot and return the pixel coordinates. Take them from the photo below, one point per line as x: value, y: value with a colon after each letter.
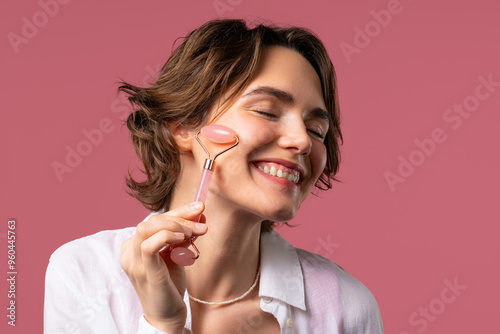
x: 229, y: 253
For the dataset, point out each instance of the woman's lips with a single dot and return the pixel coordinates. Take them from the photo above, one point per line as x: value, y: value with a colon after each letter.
x: 283, y: 176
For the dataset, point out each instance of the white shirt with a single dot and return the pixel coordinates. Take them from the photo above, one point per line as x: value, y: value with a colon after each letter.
x: 86, y: 291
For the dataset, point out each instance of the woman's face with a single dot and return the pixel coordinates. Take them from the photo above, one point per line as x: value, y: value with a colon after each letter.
x: 280, y: 119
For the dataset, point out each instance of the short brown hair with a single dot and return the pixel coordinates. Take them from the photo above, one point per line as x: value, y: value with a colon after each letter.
x: 219, y: 55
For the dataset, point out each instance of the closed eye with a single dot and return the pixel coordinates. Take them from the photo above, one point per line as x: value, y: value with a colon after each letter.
x: 270, y: 115
x: 265, y: 114
x: 317, y: 134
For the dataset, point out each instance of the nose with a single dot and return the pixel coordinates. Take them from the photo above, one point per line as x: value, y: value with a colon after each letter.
x: 295, y: 137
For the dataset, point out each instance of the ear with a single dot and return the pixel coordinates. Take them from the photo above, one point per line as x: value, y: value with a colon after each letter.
x: 183, y: 137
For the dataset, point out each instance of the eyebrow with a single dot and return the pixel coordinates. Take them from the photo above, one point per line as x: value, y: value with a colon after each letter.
x: 287, y: 98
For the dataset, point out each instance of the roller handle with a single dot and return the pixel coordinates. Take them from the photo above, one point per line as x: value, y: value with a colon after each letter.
x: 201, y: 193
x: 182, y: 255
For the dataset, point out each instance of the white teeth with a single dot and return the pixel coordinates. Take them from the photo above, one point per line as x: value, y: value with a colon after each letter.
x: 279, y: 173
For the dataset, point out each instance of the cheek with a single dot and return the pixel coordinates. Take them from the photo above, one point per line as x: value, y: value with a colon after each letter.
x: 318, y: 159
x: 255, y: 133
x: 254, y: 136
x: 252, y: 131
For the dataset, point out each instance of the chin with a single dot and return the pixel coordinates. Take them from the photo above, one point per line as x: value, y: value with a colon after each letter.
x: 278, y: 209
x: 281, y: 215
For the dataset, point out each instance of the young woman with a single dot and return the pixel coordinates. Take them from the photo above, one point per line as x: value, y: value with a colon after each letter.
x: 276, y: 88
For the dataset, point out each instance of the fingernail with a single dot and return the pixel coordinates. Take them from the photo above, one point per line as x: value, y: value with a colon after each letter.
x: 196, y: 205
x: 200, y: 227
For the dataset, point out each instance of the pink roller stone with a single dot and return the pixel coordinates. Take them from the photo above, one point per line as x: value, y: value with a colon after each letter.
x: 182, y: 256
x: 218, y: 133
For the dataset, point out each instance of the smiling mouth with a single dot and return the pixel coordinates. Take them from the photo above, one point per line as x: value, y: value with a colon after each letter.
x: 279, y: 171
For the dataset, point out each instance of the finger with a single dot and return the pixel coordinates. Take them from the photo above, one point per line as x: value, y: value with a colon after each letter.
x: 126, y: 245
x: 126, y: 256
x: 188, y: 211
x: 175, y: 220
x: 160, y: 222
x: 153, y: 225
x: 142, y: 232
x: 151, y: 246
x: 174, y: 223
x: 165, y: 250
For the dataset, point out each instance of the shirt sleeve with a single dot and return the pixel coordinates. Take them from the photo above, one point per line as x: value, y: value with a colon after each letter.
x: 146, y: 328
x: 361, y: 314
x: 86, y: 290
x: 337, y: 302
x: 66, y: 307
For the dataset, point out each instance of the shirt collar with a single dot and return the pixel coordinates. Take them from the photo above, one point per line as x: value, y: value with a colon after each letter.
x: 281, y: 274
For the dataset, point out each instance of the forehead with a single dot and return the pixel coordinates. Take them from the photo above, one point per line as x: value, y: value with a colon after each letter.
x: 282, y: 70
x: 288, y: 71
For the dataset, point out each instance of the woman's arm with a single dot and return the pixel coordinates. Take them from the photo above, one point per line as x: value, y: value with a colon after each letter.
x: 86, y: 290
x: 160, y: 283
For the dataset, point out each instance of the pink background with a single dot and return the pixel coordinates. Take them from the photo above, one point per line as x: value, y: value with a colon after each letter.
x: 401, y: 242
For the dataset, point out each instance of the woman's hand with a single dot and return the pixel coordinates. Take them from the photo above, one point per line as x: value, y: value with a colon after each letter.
x: 159, y: 282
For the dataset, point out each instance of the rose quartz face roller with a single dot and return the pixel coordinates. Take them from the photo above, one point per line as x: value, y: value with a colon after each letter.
x: 217, y: 134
